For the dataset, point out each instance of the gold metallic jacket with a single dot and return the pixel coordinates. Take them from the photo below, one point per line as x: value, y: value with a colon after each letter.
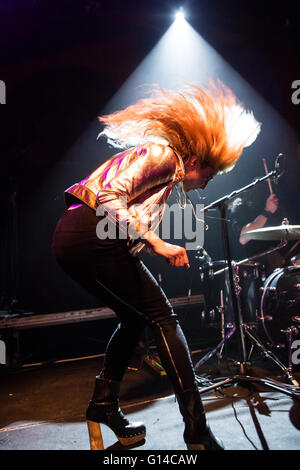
x: 133, y: 186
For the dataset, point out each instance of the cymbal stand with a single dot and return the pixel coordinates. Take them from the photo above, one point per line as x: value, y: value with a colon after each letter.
x: 242, y: 378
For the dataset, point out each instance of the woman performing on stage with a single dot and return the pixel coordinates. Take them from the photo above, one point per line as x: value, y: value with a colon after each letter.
x: 183, y: 137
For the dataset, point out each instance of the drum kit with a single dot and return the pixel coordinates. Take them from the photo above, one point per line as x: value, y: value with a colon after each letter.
x: 279, y: 298
x: 270, y: 305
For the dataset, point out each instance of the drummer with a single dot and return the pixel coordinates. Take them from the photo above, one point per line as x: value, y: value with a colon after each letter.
x: 252, y: 212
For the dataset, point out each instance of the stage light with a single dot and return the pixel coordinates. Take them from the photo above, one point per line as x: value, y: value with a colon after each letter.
x: 180, y: 15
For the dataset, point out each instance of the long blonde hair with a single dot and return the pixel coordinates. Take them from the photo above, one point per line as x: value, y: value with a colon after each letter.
x: 210, y: 124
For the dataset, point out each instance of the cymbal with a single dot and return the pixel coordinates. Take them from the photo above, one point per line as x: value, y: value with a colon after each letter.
x: 281, y: 232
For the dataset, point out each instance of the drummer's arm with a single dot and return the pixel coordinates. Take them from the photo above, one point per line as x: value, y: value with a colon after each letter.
x: 270, y: 208
x: 259, y: 222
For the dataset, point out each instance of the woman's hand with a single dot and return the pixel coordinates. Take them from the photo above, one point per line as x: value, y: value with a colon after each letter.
x: 174, y: 255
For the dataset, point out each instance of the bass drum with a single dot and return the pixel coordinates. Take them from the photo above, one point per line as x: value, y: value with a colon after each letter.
x: 280, y: 303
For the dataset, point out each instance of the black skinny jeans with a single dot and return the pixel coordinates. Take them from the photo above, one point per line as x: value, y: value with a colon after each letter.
x: 108, y: 271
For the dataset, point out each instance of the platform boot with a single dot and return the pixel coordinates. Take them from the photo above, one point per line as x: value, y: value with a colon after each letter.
x: 197, y: 434
x: 104, y: 409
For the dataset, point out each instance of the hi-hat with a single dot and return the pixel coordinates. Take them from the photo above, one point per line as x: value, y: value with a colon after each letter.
x: 281, y: 232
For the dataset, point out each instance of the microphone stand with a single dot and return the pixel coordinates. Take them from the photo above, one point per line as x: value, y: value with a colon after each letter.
x: 240, y: 329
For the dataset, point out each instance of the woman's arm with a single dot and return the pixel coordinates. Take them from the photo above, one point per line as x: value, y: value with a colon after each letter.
x: 174, y: 255
x: 156, y: 165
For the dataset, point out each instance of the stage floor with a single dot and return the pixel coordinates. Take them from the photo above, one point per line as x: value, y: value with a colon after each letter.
x: 43, y: 408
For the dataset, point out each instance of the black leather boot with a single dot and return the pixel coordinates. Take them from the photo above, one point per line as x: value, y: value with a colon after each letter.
x: 197, y: 434
x: 104, y: 408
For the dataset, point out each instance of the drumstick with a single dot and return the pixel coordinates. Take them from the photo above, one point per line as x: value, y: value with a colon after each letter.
x: 293, y: 247
x: 267, y: 171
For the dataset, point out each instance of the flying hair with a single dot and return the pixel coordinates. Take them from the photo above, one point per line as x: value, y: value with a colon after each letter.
x: 211, y: 124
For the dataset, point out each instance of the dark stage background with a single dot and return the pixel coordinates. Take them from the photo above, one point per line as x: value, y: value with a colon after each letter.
x: 62, y: 62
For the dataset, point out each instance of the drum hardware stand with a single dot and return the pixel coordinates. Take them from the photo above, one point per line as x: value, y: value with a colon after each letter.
x: 215, y: 350
x: 282, y: 244
x: 270, y: 355
x: 242, y: 378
